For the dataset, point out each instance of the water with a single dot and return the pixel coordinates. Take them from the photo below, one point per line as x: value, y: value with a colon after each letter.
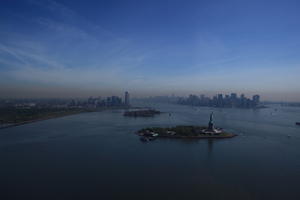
x: 98, y: 156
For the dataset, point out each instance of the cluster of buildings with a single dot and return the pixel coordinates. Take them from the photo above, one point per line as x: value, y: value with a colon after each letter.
x: 112, y: 101
x: 91, y: 102
x: 232, y: 100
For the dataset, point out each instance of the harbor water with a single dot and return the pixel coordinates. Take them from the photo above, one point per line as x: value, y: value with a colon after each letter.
x: 98, y: 156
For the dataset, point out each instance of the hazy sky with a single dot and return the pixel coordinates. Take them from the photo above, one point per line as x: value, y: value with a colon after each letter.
x: 77, y: 48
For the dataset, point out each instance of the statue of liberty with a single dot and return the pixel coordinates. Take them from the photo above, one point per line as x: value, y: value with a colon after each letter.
x: 210, y: 123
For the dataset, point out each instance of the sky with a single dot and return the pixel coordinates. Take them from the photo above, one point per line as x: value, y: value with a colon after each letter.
x: 52, y: 48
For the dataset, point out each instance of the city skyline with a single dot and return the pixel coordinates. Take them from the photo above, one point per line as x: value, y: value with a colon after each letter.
x: 78, y: 49
x: 220, y: 100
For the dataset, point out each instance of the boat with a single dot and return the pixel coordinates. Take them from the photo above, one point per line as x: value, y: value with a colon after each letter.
x: 155, y: 135
x: 298, y: 123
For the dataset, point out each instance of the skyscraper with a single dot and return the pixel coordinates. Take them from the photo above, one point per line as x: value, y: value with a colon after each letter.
x: 127, y: 99
x: 243, y: 101
x: 220, y: 100
x: 255, y: 99
x: 233, y: 99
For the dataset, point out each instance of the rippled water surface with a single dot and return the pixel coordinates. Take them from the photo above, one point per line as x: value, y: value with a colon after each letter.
x: 98, y: 155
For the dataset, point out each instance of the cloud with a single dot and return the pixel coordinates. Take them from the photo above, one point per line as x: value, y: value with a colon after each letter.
x: 68, y: 52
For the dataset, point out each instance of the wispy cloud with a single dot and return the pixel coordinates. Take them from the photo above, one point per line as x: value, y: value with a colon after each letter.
x: 72, y: 51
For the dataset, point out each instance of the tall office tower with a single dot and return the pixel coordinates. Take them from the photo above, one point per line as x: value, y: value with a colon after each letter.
x: 233, y: 99
x: 127, y: 98
x: 255, y: 99
x: 220, y: 100
x: 233, y: 96
x: 243, y: 100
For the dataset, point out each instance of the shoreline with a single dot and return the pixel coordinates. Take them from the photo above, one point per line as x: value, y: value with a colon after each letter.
x: 200, y: 137
x: 57, y: 115
x: 40, y: 119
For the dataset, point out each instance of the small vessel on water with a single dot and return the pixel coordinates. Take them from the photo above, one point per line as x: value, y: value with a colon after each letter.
x: 298, y: 123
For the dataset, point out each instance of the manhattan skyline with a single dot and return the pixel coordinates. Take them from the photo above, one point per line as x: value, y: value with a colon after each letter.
x: 72, y: 49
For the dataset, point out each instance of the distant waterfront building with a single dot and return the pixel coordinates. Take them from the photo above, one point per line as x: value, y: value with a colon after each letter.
x: 127, y: 98
x: 255, y: 99
x: 242, y: 96
x: 233, y: 99
x: 243, y: 101
x: 233, y: 95
x: 220, y: 100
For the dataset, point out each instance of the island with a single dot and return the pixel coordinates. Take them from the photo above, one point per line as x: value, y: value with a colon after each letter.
x: 192, y: 132
x: 142, y: 113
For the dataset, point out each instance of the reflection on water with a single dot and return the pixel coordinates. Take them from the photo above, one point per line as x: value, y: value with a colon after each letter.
x: 210, y: 146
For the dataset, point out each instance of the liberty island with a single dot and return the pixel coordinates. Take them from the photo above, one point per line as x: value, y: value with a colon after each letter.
x: 193, y: 132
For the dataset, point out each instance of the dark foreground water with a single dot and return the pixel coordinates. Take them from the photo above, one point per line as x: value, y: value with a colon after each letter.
x: 97, y: 156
